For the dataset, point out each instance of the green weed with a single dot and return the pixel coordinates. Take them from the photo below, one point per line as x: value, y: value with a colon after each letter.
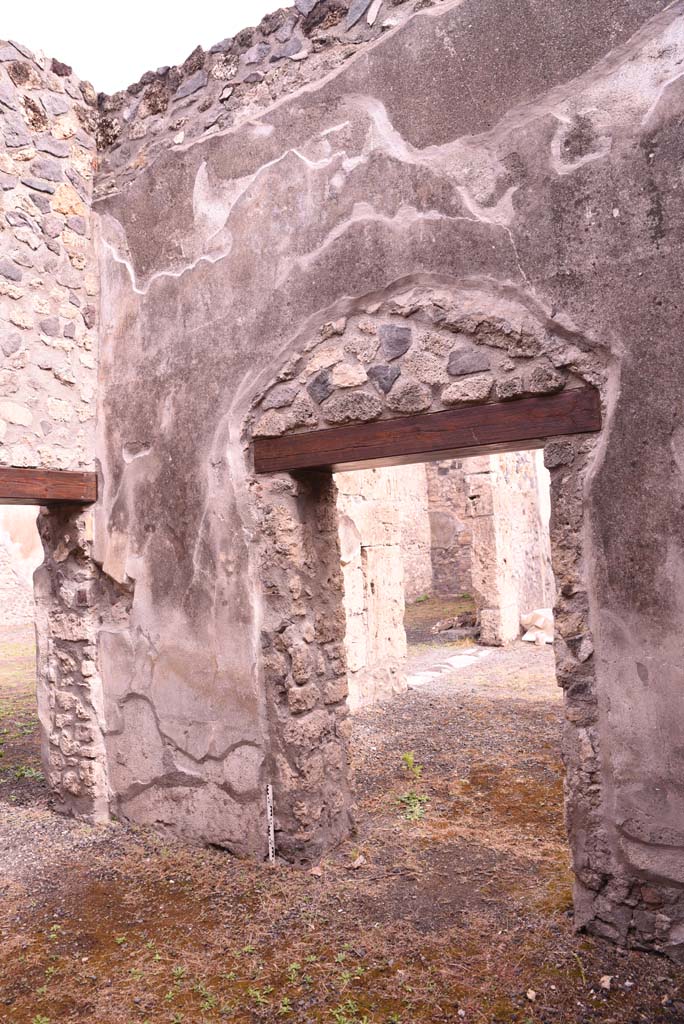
x: 413, y: 805
x: 410, y: 765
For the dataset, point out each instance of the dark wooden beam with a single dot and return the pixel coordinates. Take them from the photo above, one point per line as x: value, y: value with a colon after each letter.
x: 46, y: 487
x: 472, y: 430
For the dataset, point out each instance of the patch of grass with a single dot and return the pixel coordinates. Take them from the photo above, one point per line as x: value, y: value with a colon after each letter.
x: 348, y: 1013
x: 24, y: 771
x: 258, y: 996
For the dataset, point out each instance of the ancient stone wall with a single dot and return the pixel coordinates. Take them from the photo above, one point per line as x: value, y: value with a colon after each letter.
x: 48, y: 270
x: 450, y: 534
x: 16, y: 593
x: 72, y: 601
x: 304, y: 672
x: 410, y: 485
x: 49, y: 303
x: 508, y: 245
x: 418, y: 351
x: 372, y: 506
x: 21, y: 552
x: 235, y: 81
x: 511, y: 549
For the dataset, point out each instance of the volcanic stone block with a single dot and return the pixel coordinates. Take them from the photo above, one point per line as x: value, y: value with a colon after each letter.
x: 463, y: 361
x: 352, y: 406
x: 395, y: 340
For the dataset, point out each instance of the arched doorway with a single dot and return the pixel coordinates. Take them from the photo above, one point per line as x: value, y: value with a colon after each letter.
x: 421, y: 375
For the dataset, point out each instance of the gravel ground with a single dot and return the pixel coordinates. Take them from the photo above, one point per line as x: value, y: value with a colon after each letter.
x: 451, y: 903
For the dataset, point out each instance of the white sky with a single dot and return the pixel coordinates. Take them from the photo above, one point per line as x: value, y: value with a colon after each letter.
x: 112, y: 45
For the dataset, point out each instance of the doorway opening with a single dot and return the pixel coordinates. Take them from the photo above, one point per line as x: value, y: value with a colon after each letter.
x: 456, y: 719
x: 444, y: 553
x: 22, y: 777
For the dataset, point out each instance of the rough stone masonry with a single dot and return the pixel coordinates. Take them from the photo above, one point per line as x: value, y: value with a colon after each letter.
x: 352, y: 212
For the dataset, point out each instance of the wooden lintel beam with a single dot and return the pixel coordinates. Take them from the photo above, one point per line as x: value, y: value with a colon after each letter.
x: 46, y: 487
x: 472, y: 430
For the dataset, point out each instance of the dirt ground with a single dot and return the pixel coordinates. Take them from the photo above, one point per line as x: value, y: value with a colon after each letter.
x: 424, y: 613
x: 452, y: 903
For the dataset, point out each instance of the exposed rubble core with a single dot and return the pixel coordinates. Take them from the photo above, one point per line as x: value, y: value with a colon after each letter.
x: 48, y: 268
x: 355, y: 212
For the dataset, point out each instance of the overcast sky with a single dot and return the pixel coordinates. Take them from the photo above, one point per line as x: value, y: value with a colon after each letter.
x: 112, y: 45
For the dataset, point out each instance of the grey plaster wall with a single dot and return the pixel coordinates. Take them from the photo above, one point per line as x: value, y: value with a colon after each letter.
x: 509, y: 173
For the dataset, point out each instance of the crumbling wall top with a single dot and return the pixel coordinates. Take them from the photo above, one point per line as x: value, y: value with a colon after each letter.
x: 236, y: 79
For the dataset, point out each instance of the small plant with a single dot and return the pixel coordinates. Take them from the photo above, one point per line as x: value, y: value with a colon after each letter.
x: 348, y: 1013
x: 422, y: 599
x: 410, y: 765
x: 178, y: 973
x: 120, y: 940
x: 209, y: 1000
x: 25, y: 771
x: 348, y: 976
x: 413, y: 805
x: 293, y: 972
x: 39, y: 1019
x: 285, y: 1007
x: 259, y: 997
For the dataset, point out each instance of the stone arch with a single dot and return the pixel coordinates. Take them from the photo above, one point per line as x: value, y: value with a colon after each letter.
x: 421, y: 349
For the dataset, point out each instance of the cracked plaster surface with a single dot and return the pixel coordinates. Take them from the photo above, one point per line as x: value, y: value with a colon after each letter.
x: 220, y: 261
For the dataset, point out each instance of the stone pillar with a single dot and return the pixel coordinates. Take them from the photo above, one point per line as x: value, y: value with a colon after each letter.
x: 511, y: 555
x: 68, y: 591
x: 409, y: 485
x: 373, y: 511
x: 450, y: 528
x: 304, y: 664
